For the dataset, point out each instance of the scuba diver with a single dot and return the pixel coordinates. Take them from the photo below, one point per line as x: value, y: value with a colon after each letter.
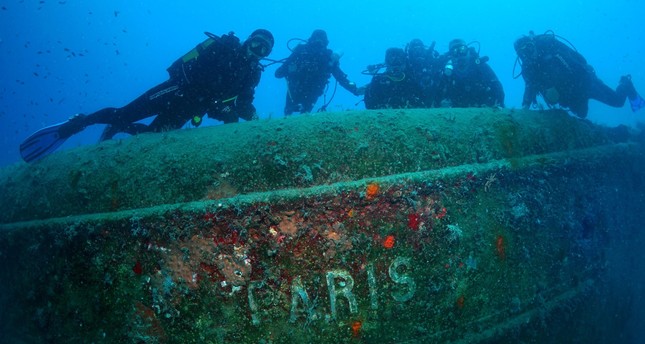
x: 425, y: 69
x: 307, y: 71
x: 561, y: 75
x: 218, y: 77
x: 468, y: 80
x: 393, y: 88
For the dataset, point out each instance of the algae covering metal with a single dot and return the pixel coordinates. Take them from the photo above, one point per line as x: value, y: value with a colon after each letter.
x: 375, y: 227
x: 222, y: 161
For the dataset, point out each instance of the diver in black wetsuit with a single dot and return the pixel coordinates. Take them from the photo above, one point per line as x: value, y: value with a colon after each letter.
x: 307, y: 71
x: 425, y: 69
x: 218, y: 77
x: 562, y: 76
x: 468, y: 80
x: 394, y: 88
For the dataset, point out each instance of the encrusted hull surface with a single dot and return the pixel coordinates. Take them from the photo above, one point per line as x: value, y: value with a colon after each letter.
x: 378, y: 227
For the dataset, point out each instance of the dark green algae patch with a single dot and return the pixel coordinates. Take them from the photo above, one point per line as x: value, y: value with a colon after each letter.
x: 299, y: 151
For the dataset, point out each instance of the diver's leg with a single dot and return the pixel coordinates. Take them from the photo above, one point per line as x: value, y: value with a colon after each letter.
x: 625, y: 90
x: 160, y: 100
x: 132, y: 129
x: 146, y: 105
x: 603, y: 93
x: 289, y: 106
x: 308, y: 101
x: 166, y: 122
x: 627, y: 87
x: 181, y: 108
x: 175, y: 115
x: 307, y: 106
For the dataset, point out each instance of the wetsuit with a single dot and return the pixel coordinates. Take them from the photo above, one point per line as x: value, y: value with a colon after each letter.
x: 307, y: 71
x: 563, y: 76
x: 425, y: 69
x: 471, y: 83
x: 393, y: 90
x: 217, y: 78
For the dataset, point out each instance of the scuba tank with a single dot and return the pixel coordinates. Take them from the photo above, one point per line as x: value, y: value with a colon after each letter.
x: 182, y: 68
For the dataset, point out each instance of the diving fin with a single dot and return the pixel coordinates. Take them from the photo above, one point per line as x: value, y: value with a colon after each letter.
x: 42, y: 143
x: 637, y: 103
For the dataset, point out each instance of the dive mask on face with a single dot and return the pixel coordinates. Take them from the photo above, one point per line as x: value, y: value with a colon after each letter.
x: 259, y: 46
x: 527, y: 50
x: 461, y: 50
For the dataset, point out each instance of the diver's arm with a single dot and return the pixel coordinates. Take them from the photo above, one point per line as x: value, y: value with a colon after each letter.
x: 244, y: 107
x: 530, y: 94
x: 496, y: 90
x: 344, y: 81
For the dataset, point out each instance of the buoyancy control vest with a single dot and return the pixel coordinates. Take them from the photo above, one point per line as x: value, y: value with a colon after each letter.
x: 198, y: 60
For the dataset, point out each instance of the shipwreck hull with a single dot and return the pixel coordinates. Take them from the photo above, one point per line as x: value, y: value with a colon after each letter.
x: 475, y: 226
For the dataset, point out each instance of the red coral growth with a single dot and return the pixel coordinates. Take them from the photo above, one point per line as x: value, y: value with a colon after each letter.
x: 389, y: 242
x: 209, y: 217
x: 232, y: 238
x: 414, y: 221
x: 372, y: 190
x: 356, y: 328
x: 441, y: 213
x: 500, y: 246
x: 211, y: 271
x: 137, y: 268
